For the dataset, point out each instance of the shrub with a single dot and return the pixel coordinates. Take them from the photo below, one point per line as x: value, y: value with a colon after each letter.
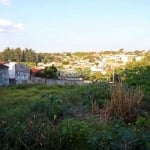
x: 143, y: 122
x: 54, y: 107
x: 98, y: 92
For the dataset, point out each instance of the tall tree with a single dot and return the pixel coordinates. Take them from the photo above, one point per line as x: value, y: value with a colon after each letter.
x: 17, y: 54
x: 8, y: 54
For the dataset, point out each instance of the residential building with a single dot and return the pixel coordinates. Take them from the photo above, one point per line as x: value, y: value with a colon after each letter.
x: 18, y: 73
x: 98, y: 69
x: 4, y: 75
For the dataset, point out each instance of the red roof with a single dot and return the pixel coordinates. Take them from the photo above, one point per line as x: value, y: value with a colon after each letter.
x: 2, y: 62
x: 36, y: 70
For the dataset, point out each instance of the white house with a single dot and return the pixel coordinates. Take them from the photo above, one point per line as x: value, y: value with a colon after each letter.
x: 138, y: 58
x: 101, y: 67
x: 124, y: 58
x: 98, y: 69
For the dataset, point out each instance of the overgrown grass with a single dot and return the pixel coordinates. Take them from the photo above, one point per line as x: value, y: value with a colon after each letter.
x: 15, y: 100
x: 63, y: 117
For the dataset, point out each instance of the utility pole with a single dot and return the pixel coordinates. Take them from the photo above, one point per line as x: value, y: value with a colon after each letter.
x: 113, y: 75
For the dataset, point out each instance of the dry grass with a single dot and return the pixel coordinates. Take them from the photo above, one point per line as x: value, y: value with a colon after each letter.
x: 124, y: 103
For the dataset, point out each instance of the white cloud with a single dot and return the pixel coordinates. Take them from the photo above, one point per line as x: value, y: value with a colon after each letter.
x: 5, y: 2
x: 2, y: 30
x: 4, y: 23
x: 7, y: 26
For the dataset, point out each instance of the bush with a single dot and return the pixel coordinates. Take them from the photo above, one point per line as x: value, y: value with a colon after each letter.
x: 54, y: 107
x: 143, y: 122
x: 98, y: 92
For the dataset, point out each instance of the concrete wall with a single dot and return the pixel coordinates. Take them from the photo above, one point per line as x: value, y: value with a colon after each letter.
x: 51, y: 81
x: 38, y: 80
x: 63, y: 82
x: 55, y: 81
x: 22, y: 73
x: 4, y: 77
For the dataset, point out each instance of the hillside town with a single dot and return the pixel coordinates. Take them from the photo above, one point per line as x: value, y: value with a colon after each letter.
x: 71, y: 66
x: 95, y: 61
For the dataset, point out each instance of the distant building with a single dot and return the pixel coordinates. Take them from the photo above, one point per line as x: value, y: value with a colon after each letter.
x: 138, y: 58
x: 98, y: 69
x: 124, y: 58
x: 18, y: 73
x: 4, y: 75
x: 70, y: 74
x: 101, y: 67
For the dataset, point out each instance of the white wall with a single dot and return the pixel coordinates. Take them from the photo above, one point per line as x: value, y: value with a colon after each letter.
x: 11, y: 69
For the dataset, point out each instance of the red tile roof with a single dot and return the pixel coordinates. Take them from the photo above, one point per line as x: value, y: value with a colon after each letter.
x: 36, y: 70
x: 2, y: 62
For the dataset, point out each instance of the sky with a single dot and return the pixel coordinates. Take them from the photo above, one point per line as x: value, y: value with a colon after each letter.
x: 75, y: 25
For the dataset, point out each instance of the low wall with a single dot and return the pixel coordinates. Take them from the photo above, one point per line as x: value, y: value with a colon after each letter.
x: 40, y: 80
x: 63, y: 82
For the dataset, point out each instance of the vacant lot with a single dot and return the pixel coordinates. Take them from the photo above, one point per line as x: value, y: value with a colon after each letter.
x: 94, y: 116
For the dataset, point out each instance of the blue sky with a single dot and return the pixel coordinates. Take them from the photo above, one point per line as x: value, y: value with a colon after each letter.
x: 75, y: 25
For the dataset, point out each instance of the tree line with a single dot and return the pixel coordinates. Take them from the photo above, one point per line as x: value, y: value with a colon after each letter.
x: 20, y: 55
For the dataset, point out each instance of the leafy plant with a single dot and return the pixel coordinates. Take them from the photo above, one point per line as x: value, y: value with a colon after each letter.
x: 143, y: 122
x: 98, y: 92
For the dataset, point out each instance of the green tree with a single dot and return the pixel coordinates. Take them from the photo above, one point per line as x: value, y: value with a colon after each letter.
x: 121, y: 50
x: 86, y: 72
x: 30, y: 55
x: 51, y: 72
x: 23, y: 56
x: 65, y: 62
x: 8, y: 54
x: 17, y: 54
x: 1, y: 56
x: 97, y: 76
x: 138, y: 74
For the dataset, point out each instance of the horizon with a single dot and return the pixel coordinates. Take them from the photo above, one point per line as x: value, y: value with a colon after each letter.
x: 78, y: 51
x: 75, y: 26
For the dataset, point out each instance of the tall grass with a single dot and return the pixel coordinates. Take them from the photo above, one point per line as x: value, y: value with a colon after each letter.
x: 59, y: 117
x: 124, y: 103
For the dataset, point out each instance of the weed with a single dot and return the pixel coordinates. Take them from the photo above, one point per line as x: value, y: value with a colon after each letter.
x: 124, y: 102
